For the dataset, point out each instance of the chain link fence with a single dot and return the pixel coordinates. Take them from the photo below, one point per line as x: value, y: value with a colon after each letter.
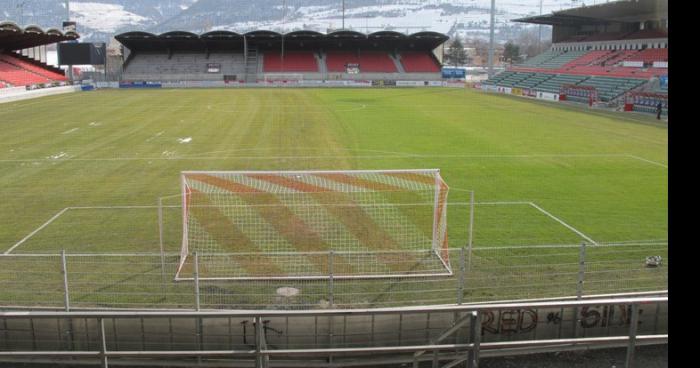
x: 484, y: 274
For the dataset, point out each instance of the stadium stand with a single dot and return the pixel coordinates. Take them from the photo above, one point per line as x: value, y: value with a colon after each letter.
x: 561, y: 60
x: 186, y: 66
x: 256, y: 56
x: 293, y: 61
x: 649, y: 56
x: 18, y: 76
x: 610, y: 88
x: 610, y: 63
x: 541, y: 58
x: 419, y: 62
x: 25, y: 64
x: 369, y: 61
x: 19, y: 70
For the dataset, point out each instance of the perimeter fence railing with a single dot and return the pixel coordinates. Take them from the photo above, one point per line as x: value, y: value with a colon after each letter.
x: 446, y: 336
x: 483, y: 274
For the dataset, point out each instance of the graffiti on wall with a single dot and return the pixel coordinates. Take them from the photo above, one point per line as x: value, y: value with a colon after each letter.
x: 520, y: 321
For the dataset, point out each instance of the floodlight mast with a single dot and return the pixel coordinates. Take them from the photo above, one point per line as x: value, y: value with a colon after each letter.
x: 491, y: 37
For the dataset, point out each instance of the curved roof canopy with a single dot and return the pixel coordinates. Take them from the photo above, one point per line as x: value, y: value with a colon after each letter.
x: 179, y: 35
x: 304, y: 35
x: 604, y: 13
x: 263, y: 35
x: 14, y: 37
x: 220, y: 35
x: 266, y: 38
x: 387, y: 35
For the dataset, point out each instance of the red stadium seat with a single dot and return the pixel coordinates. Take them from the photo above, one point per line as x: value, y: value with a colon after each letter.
x: 18, y: 72
x: 294, y: 61
x: 369, y: 61
x: 419, y: 62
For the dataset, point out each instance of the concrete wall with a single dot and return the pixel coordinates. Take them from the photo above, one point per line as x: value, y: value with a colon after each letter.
x: 19, y: 93
x: 292, y: 332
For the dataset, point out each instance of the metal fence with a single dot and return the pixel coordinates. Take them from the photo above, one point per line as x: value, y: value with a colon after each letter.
x: 73, y: 281
x: 445, y: 336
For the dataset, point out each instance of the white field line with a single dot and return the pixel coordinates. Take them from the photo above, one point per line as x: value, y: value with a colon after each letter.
x: 36, y: 230
x: 563, y: 223
x: 649, y: 161
x: 393, y: 156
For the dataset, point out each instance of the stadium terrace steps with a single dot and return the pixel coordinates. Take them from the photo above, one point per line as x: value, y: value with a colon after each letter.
x: 419, y: 62
x: 369, y: 61
x: 562, y: 59
x: 541, y: 58
x: 590, y: 58
x: 554, y: 84
x: 609, y: 88
x: 18, y: 72
x: 17, y: 76
x: 183, y: 66
x: 597, y: 63
x: 293, y: 61
x: 34, y: 66
x: 397, y: 62
x: 649, y: 56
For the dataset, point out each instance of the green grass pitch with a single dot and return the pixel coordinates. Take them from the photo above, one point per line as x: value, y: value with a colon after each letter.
x: 542, y: 173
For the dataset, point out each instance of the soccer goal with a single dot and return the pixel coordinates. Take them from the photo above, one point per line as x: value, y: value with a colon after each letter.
x: 283, y: 78
x: 313, y: 224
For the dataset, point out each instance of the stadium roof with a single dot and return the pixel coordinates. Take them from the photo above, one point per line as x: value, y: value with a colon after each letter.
x: 138, y: 40
x: 14, y: 37
x: 623, y: 11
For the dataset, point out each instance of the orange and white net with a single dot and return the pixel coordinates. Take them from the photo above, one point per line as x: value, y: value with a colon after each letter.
x: 309, y: 224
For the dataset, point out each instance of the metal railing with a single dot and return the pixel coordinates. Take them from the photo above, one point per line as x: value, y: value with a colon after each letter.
x: 142, y: 281
x: 463, y: 337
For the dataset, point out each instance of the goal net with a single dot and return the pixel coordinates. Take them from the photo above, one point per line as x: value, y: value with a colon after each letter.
x: 283, y: 78
x: 313, y: 224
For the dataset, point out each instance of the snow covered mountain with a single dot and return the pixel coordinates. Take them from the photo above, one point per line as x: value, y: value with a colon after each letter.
x: 100, y: 19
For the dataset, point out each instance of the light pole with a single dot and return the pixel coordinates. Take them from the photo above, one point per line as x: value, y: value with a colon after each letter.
x: 343, y: 14
x: 539, y: 36
x: 21, y: 11
x: 491, y: 37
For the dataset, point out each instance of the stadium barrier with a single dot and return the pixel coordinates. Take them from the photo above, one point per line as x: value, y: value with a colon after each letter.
x: 21, y: 93
x: 451, y: 334
x: 547, y: 96
x: 278, y: 84
x: 481, y: 274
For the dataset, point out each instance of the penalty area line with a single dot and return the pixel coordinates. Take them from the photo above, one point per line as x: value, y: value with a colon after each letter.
x: 45, y: 224
x: 557, y: 219
x: 648, y: 161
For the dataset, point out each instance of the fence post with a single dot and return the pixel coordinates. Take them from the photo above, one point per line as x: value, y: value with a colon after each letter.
x: 103, y: 343
x: 634, y: 322
x: 460, y: 287
x: 475, y: 337
x: 471, y: 229
x: 579, y: 283
x: 64, y: 271
x: 260, y: 359
x: 196, y: 281
x: 581, y: 271
x: 330, y: 279
x: 160, y: 242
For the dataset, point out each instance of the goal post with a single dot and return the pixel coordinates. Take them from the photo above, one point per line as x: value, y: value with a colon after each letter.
x: 283, y: 78
x: 306, y: 224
